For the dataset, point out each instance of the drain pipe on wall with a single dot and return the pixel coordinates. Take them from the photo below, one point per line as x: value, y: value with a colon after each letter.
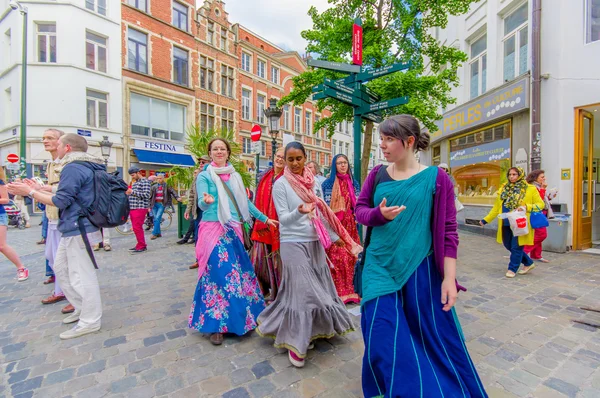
x: 536, y: 42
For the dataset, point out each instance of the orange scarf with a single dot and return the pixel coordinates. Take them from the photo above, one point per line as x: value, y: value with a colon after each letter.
x: 264, y: 202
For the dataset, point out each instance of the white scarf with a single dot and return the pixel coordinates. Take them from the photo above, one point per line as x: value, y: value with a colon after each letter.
x: 237, y: 188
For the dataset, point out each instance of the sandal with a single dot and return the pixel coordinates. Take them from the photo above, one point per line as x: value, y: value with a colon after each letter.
x: 525, y: 270
x: 216, y: 338
x: 107, y: 248
x: 510, y: 274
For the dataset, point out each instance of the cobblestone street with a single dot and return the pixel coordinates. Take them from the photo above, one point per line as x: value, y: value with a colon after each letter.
x: 520, y: 332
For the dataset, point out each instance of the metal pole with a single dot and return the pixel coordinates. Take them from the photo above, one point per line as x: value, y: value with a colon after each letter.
x: 256, y: 167
x: 23, y: 135
x: 536, y: 139
x: 273, y: 149
x: 357, y: 125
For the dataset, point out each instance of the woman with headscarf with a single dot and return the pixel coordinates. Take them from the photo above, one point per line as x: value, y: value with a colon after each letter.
x: 265, y: 251
x: 227, y: 298
x: 340, y: 191
x: 516, y: 194
x: 307, y: 306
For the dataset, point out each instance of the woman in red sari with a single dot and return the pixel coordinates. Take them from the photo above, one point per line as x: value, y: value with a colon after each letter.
x: 340, y: 191
x: 265, y: 251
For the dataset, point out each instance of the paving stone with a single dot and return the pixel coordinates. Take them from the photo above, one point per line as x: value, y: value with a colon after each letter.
x: 123, y: 385
x: 115, y: 341
x: 513, y: 386
x: 241, y: 376
x: 261, y: 388
x: 7, y: 349
x: 215, y: 385
x: 90, y: 368
x: 145, y: 352
x: 176, y: 334
x: 141, y: 392
x: 153, y: 375
x: 562, y: 386
x: 26, y: 385
x: 239, y: 392
x: 168, y: 385
x: 18, y: 376
x: 59, y: 377
x: 154, y: 340
x: 78, y: 384
x: 286, y: 377
x: 139, y: 366
x: 262, y: 369
x: 45, y: 369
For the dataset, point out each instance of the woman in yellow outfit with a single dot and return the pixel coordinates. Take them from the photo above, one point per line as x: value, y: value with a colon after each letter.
x: 515, y: 194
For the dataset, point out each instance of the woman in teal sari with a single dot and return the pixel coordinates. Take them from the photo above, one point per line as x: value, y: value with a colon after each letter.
x: 414, y: 345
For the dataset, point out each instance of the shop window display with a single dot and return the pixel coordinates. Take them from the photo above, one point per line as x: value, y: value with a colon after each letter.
x: 479, y: 162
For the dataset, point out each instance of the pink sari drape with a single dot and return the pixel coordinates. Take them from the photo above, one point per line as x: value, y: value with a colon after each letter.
x: 209, y: 233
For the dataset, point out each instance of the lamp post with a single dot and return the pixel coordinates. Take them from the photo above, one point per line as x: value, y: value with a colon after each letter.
x: 273, y: 114
x: 15, y: 5
x: 105, y: 147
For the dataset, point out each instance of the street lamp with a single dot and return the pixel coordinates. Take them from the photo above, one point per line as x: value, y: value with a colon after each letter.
x: 105, y: 146
x: 15, y: 5
x: 273, y: 114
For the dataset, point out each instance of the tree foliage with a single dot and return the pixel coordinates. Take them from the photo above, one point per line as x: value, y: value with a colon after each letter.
x: 197, y: 144
x: 393, y: 31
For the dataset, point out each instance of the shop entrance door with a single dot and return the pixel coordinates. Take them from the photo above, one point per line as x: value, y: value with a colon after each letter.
x: 587, y: 163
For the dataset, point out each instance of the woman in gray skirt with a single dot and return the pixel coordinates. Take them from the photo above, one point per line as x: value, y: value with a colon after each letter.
x: 307, y: 306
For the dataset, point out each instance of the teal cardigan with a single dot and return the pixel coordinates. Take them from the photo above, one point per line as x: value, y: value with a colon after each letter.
x: 210, y: 212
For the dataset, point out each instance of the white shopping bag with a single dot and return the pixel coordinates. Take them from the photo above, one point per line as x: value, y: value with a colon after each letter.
x: 518, y: 221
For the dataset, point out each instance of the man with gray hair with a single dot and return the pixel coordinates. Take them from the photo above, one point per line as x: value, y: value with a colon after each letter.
x: 73, y: 266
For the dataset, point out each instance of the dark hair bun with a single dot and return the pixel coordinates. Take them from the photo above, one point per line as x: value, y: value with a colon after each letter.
x: 423, y: 141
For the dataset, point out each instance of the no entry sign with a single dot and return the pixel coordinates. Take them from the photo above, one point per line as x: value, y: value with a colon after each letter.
x: 12, y: 158
x: 256, y: 132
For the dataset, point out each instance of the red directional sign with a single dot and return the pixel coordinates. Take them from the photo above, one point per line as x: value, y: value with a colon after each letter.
x: 13, y: 158
x: 256, y: 132
x: 357, y: 42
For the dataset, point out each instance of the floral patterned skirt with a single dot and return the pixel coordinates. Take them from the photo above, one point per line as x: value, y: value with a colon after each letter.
x: 227, y: 298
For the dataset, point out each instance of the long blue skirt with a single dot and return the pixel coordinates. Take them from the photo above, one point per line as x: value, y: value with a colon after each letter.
x: 412, y: 347
x: 227, y: 298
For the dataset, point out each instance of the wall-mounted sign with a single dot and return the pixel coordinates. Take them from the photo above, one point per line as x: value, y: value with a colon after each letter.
x: 565, y: 174
x: 159, y: 146
x: 521, y: 160
x: 84, y: 133
x: 499, y: 103
x: 489, y: 152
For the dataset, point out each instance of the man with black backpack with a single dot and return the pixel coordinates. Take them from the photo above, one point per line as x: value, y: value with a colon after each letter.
x: 74, y: 265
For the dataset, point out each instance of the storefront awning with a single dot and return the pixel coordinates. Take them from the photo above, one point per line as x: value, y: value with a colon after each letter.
x: 166, y: 158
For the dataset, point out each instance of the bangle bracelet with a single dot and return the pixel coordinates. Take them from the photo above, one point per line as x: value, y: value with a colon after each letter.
x: 32, y: 192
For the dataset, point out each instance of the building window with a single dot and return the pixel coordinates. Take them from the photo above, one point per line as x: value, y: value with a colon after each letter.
x: 246, y: 62
x: 180, y: 66
x: 223, y: 39
x: 139, y: 4
x: 207, y: 117
x: 227, y: 121
x: 260, y: 107
x: 479, y: 161
x: 46, y: 42
x: 227, y: 81
x: 95, y: 52
x: 478, y: 66
x: 326, y: 159
x: 592, y: 21
x: 340, y: 147
x: 308, y: 156
x: 137, y: 51
x: 210, y: 34
x: 436, y: 155
x: 263, y: 149
x: 275, y: 74
x: 307, y: 122
x: 246, y: 145
x: 516, y: 42
x: 297, y: 120
x: 180, y: 16
x: 261, y: 66
x: 98, y: 6
x: 151, y: 117
x: 207, y: 73
x: 97, y: 109
x: 286, y: 117
x: 246, y: 103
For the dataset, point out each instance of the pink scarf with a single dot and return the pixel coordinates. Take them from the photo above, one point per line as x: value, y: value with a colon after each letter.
x: 303, y: 187
x: 345, y: 179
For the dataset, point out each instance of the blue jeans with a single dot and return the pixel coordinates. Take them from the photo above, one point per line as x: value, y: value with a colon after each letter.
x: 49, y: 271
x: 157, y: 212
x: 44, y: 225
x: 197, y: 224
x: 517, y: 253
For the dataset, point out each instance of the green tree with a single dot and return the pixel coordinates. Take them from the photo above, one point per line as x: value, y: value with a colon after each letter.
x: 393, y: 31
x: 197, y: 144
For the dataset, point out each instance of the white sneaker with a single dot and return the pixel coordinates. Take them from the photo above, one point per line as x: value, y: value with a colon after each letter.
x: 74, y: 317
x: 78, y: 332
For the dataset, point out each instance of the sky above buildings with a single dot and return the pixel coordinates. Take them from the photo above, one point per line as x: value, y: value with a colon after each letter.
x: 278, y: 21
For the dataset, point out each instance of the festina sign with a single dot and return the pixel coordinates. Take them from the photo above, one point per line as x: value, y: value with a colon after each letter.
x: 159, y: 146
x: 357, y: 42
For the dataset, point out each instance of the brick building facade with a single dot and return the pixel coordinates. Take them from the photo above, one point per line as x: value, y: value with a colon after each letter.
x: 265, y: 71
